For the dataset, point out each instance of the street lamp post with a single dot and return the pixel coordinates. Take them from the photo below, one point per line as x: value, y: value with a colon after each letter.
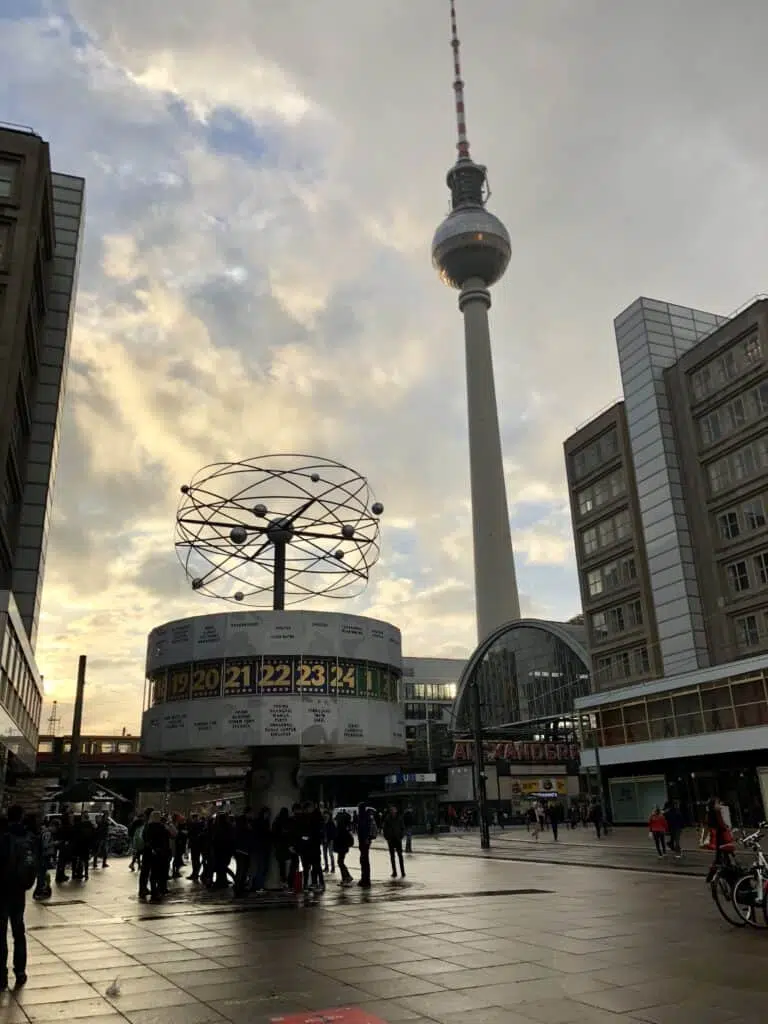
x: 482, y: 796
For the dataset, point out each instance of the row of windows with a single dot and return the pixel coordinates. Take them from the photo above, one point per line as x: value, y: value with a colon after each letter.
x: 611, y: 576
x: 606, y: 533
x: 621, y: 666
x: 740, y: 465
x: 601, y: 492
x: 734, y: 415
x: 595, y: 454
x: 91, y: 748
x: 739, y: 703
x: 739, y: 359
x: 745, y: 518
x: 419, y: 711
x: 748, y: 574
x: 429, y: 691
x: 614, y: 621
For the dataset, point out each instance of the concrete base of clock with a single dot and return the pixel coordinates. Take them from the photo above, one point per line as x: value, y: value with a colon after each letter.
x: 273, y: 784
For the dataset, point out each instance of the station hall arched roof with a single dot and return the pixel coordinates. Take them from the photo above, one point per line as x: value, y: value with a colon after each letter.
x: 572, y: 635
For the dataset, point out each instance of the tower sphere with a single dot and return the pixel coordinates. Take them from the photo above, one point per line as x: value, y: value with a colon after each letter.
x: 471, y: 242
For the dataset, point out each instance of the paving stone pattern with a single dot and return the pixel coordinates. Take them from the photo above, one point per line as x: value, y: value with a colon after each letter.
x: 466, y: 940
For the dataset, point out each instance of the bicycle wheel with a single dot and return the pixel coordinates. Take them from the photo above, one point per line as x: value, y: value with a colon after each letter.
x: 722, y: 893
x: 750, y: 901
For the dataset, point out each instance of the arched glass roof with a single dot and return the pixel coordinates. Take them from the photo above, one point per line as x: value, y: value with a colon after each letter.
x: 526, y: 670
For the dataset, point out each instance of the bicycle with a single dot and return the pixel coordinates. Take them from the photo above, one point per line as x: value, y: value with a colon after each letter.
x: 722, y: 878
x: 750, y: 892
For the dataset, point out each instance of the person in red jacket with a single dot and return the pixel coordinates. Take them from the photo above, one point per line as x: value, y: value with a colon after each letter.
x: 657, y: 825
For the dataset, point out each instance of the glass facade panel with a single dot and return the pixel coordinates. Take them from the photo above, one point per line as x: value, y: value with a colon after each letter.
x: 528, y: 673
x: 736, y: 703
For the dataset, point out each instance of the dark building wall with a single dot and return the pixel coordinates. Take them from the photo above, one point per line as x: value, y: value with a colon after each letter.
x: 26, y: 240
x: 718, y: 394
x: 43, y: 449
x: 610, y: 553
x: 41, y: 216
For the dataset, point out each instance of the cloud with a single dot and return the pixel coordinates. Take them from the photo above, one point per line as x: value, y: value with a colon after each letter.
x: 263, y: 183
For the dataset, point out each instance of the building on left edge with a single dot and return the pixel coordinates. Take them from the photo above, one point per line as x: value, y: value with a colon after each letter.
x: 41, y: 221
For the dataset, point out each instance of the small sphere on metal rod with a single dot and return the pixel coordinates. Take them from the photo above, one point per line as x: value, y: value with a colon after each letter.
x: 348, y: 531
x: 315, y: 478
x: 185, y: 488
x: 238, y: 535
x: 259, y: 510
x: 239, y: 595
x: 377, y: 508
x: 338, y: 554
x: 197, y: 584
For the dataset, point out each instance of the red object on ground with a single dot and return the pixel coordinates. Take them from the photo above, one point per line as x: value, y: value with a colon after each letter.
x: 338, y: 1015
x: 298, y: 884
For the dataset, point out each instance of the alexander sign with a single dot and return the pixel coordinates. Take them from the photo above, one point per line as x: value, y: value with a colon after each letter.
x: 530, y: 752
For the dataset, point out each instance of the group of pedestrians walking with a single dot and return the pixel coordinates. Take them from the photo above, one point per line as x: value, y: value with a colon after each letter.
x: 251, y: 851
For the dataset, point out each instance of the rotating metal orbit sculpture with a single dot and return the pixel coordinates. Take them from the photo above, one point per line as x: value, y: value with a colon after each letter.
x: 299, y: 526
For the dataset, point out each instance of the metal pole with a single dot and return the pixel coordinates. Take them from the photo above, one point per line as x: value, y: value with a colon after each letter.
x: 278, y: 586
x: 77, y: 722
x: 482, y: 802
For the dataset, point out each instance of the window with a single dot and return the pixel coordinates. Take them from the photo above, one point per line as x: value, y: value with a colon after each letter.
x: 728, y: 525
x: 754, y: 514
x: 589, y: 541
x: 738, y: 577
x: 595, y: 582
x: 616, y: 621
x: 743, y: 463
x: 640, y: 661
x: 594, y: 454
x: 599, y: 627
x: 585, y: 502
x: 747, y: 631
x: 761, y: 568
x: 701, y: 383
x: 752, y: 349
x: 634, y: 614
x: 8, y: 173
x: 709, y: 427
x: 718, y: 475
x: 601, y: 492
x: 736, y: 414
x: 5, y: 243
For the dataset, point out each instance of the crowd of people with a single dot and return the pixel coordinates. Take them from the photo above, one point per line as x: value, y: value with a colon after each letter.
x: 298, y: 848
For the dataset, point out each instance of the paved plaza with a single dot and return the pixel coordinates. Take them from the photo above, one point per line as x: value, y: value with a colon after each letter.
x: 463, y: 939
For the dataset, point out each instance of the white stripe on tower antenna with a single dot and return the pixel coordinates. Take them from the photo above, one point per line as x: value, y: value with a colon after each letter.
x: 458, y: 87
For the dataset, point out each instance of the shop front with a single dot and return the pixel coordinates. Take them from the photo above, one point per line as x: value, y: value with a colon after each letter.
x: 685, y: 738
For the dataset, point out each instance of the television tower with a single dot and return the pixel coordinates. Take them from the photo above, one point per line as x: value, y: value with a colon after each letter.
x: 471, y: 250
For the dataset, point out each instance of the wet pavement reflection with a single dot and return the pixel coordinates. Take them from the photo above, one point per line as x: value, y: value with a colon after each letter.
x: 463, y: 939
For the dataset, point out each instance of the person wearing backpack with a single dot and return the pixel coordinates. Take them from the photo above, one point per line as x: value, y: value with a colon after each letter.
x: 18, y: 872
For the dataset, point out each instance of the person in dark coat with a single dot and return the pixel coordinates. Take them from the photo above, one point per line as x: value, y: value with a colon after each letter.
x: 342, y: 844
x: 394, y: 830
x: 364, y: 842
x: 261, y: 850
x: 243, y: 843
x: 316, y: 831
x: 195, y: 830
x: 675, y: 826
x: 156, y: 858
x: 282, y: 844
x: 13, y: 892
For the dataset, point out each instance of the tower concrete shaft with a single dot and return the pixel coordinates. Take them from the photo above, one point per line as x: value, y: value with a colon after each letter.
x: 496, y: 597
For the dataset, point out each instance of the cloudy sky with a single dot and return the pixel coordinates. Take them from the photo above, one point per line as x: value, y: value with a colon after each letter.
x: 263, y: 180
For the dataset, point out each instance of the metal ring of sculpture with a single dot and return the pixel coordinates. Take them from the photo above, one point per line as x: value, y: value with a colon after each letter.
x: 298, y: 525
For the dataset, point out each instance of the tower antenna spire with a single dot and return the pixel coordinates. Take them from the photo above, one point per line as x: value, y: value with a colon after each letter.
x: 462, y: 144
